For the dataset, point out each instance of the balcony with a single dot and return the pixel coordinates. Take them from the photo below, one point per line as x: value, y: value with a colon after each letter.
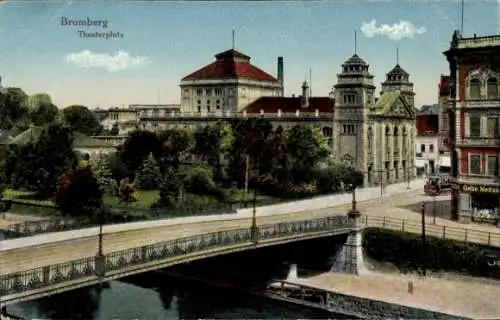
x: 479, y: 179
x: 479, y: 141
x: 480, y: 103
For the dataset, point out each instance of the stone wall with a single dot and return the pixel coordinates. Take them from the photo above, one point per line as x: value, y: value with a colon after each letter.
x: 372, y: 309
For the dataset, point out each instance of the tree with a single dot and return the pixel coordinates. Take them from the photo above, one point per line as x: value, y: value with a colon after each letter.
x: 169, y: 188
x: 250, y: 135
x: 306, y: 147
x: 115, y: 130
x: 118, y: 169
x: 13, y: 108
x: 102, y: 173
x: 38, y: 165
x: 34, y: 101
x: 81, y: 119
x: 78, y: 194
x: 137, y: 147
x: 177, y: 144
x: 44, y: 114
x: 148, y: 177
x: 351, y: 177
x: 212, y: 143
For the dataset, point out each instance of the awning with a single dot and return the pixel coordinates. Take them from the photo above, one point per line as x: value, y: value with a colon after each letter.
x: 420, y: 163
x: 444, y: 161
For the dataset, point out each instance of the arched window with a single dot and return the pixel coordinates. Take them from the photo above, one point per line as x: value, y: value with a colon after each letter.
x: 474, y: 89
x: 492, y: 88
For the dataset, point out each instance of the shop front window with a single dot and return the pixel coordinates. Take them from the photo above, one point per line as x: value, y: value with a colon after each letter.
x: 484, y: 206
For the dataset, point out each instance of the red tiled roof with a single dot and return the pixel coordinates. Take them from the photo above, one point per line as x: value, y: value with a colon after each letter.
x: 230, y: 64
x: 444, y: 85
x: 427, y: 124
x: 290, y: 105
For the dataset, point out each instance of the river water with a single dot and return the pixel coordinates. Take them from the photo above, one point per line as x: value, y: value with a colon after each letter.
x: 149, y: 297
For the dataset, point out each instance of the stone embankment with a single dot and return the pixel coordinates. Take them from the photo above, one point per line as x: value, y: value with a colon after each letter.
x: 378, y: 295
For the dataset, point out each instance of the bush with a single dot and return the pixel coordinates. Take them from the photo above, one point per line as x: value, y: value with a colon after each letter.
x: 102, y: 173
x: 126, y: 192
x: 78, y: 193
x: 405, y: 250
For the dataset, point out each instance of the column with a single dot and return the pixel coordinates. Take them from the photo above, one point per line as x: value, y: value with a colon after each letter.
x: 464, y: 207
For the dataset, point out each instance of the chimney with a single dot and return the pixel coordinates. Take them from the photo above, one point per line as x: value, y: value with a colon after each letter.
x: 305, y: 95
x: 280, y: 75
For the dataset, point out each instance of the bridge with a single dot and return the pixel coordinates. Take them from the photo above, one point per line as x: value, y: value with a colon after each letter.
x: 46, y: 264
x: 49, y: 263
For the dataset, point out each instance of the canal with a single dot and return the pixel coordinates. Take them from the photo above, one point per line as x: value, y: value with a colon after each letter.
x: 152, y: 297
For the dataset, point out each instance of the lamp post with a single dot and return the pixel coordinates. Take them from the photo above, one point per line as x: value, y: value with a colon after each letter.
x: 100, y: 256
x: 408, y: 178
x: 424, y: 242
x: 254, y: 229
x: 434, y: 208
x: 353, y: 213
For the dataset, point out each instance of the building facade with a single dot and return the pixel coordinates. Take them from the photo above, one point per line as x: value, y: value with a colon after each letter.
x: 427, y: 158
x: 474, y: 111
x: 443, y: 95
x: 229, y: 84
x: 375, y: 135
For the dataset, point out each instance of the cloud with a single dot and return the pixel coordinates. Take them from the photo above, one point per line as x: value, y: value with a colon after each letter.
x: 396, y: 31
x: 121, y: 60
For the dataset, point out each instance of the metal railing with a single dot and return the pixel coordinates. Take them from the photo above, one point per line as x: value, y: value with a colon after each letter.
x: 91, y: 269
x: 434, y: 230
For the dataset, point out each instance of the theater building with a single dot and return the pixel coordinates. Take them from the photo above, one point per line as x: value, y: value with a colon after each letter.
x: 474, y: 111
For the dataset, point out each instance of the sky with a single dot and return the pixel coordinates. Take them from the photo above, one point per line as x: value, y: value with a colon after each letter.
x: 155, y: 44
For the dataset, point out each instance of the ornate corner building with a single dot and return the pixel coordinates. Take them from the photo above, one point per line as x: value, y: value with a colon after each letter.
x: 375, y: 135
x: 474, y: 136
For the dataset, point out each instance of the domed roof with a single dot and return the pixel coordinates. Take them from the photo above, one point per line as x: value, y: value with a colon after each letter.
x: 397, y: 70
x: 355, y: 60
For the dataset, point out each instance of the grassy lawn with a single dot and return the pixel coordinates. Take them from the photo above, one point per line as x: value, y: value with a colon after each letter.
x: 27, y: 202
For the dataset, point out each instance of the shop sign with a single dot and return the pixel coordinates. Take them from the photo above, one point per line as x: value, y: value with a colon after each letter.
x: 475, y: 188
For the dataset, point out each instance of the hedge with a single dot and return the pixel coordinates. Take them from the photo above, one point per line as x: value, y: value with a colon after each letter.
x: 405, y: 251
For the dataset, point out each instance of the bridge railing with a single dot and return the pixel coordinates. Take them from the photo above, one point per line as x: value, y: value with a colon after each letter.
x: 114, y: 263
x: 434, y: 230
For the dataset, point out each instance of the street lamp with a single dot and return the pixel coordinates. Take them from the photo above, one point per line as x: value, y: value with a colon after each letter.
x: 354, y: 212
x: 254, y: 229
x: 100, y: 256
x: 424, y: 242
x: 408, y: 178
x: 434, y: 208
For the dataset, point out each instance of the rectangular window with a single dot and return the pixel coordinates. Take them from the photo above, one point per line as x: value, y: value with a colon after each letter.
x: 218, y: 92
x: 475, y: 126
x: 475, y: 164
x: 199, y: 92
x: 208, y: 92
x: 431, y: 148
x: 493, y: 165
x: 422, y: 148
x: 492, y: 127
x: 186, y: 92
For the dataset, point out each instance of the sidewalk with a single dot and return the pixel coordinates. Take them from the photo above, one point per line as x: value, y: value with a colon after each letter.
x: 462, y: 298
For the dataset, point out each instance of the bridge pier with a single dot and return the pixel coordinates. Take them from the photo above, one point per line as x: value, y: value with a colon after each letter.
x: 350, y: 257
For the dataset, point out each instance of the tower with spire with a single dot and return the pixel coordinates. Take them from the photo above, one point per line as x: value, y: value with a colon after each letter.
x: 399, y: 79
x: 353, y: 95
